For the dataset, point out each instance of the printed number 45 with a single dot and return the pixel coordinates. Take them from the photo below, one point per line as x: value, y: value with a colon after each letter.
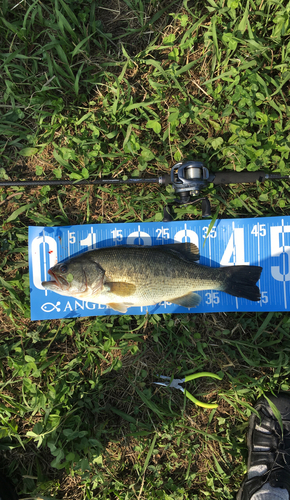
x: 259, y: 230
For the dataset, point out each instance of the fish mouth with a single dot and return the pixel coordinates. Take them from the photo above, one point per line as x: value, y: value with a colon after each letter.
x: 57, y: 281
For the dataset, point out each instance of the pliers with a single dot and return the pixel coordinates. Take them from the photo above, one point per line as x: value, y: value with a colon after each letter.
x: 176, y: 381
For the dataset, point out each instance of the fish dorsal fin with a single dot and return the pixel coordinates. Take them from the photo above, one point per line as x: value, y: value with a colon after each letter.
x: 120, y: 288
x: 186, y: 251
x: 190, y: 300
x: 118, y: 307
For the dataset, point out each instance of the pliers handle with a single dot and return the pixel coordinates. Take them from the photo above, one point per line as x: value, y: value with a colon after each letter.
x: 177, y: 381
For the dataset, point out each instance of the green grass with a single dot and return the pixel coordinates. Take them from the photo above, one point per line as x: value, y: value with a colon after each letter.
x: 129, y: 90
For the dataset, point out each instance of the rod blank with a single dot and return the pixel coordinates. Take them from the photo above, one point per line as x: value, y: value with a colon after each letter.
x: 84, y: 182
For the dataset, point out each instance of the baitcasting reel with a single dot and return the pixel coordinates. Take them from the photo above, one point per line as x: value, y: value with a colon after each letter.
x: 188, y: 179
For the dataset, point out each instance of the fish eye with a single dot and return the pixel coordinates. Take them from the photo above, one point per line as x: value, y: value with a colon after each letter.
x: 63, y: 268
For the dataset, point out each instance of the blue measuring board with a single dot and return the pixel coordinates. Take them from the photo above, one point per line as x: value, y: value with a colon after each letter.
x: 261, y: 241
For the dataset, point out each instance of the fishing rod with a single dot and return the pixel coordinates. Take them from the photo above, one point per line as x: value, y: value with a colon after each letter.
x: 88, y: 182
x: 187, y: 179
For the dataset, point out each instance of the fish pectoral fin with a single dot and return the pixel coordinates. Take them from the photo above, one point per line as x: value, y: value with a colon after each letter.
x: 118, y: 307
x: 190, y: 300
x: 121, y: 288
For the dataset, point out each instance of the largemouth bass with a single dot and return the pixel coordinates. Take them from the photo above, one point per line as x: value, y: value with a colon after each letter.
x: 123, y: 277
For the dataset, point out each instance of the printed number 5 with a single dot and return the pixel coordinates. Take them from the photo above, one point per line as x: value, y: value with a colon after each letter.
x: 72, y: 238
x: 277, y: 236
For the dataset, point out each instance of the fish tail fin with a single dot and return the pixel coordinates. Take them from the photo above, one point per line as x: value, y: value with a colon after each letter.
x: 241, y: 282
